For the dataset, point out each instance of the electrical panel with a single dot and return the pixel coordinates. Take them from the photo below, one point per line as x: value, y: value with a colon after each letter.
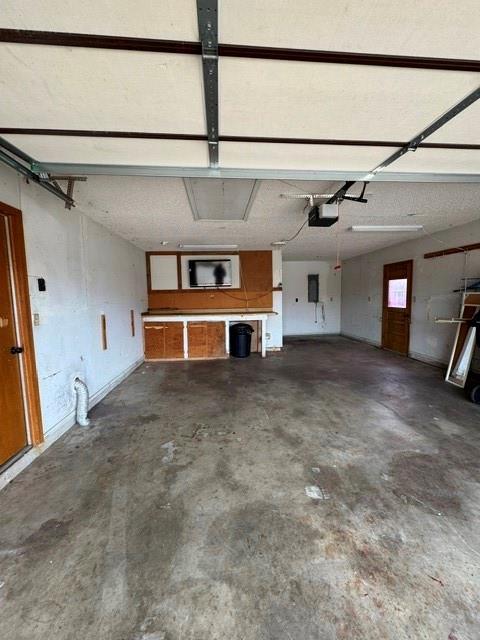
x: 313, y: 287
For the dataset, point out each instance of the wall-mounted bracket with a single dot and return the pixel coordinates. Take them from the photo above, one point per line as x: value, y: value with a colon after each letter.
x: 70, y: 184
x: 26, y: 165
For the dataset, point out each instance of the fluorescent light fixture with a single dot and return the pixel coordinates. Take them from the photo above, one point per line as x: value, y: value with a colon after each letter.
x: 387, y: 227
x: 207, y: 246
x: 279, y: 243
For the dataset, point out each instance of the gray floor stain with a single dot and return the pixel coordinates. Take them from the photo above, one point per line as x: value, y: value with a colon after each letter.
x: 426, y: 481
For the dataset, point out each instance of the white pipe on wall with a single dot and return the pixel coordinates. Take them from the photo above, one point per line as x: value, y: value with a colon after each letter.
x: 81, y: 390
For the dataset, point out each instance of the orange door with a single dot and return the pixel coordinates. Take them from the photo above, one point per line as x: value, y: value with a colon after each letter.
x: 397, y: 302
x: 13, y: 437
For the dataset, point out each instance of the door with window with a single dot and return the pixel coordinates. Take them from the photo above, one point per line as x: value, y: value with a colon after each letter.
x: 13, y: 433
x: 397, y: 303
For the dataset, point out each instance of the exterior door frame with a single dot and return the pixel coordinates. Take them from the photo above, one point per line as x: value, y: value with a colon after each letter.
x: 20, y: 280
x: 408, y: 310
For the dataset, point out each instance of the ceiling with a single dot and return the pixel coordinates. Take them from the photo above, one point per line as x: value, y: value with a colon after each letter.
x: 97, y: 89
x: 146, y: 211
x: 427, y: 28
x: 116, y: 90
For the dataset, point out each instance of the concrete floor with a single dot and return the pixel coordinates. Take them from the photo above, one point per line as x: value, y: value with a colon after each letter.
x: 182, y: 513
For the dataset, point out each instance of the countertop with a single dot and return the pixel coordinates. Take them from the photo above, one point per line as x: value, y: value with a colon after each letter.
x: 205, y: 312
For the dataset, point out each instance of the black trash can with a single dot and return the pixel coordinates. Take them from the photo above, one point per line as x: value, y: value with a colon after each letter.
x: 240, y: 340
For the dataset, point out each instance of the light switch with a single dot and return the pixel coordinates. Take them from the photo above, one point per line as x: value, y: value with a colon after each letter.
x: 36, y: 319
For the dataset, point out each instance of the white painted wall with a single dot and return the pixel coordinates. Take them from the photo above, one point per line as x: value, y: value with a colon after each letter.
x: 274, y: 322
x: 299, y: 316
x: 88, y: 272
x: 434, y: 281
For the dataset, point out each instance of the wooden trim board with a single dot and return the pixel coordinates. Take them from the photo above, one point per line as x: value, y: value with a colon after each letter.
x: 103, y: 322
x: 448, y: 252
x: 132, y: 322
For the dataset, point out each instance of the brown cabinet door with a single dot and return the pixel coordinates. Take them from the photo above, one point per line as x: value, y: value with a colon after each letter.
x: 215, y: 339
x: 173, y: 339
x: 397, y: 302
x: 154, y: 340
x: 197, y: 339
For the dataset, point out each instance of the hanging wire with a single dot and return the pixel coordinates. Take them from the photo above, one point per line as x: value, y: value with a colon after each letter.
x: 290, y: 184
x: 446, y: 244
x: 297, y: 233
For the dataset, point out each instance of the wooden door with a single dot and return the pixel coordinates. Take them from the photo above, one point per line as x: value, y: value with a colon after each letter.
x: 173, y: 339
x: 215, y: 339
x: 13, y: 434
x: 397, y: 303
x: 197, y: 339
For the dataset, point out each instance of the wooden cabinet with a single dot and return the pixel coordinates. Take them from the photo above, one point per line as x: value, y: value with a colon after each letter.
x: 174, y: 340
x: 154, y: 340
x: 197, y: 339
x: 206, y: 339
x: 215, y: 339
x: 163, y: 340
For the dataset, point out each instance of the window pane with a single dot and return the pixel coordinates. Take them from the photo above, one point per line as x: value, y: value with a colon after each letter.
x: 397, y: 293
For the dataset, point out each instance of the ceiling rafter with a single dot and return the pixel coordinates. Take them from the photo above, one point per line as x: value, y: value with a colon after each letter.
x: 98, y: 41
x: 151, y: 135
